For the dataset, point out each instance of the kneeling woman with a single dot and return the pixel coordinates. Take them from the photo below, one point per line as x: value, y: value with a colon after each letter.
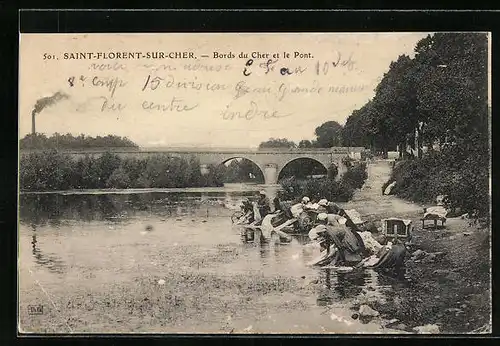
x: 339, y: 244
x: 342, y: 246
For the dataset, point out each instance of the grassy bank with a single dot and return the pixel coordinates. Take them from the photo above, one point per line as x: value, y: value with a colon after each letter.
x: 52, y: 170
x: 452, y: 292
x: 464, y: 178
x: 329, y: 188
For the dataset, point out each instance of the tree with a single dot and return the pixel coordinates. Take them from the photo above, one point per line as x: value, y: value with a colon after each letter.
x: 356, y: 132
x: 242, y: 170
x: 232, y: 172
x: 305, y: 143
x: 395, y: 101
x: 193, y: 172
x: 48, y: 170
x: 107, y: 164
x: 277, y: 143
x: 329, y: 134
x: 68, y: 141
x: 438, y: 97
x: 119, y: 179
x: 453, y: 88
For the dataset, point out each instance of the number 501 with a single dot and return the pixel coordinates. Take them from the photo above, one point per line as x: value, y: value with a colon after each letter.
x: 47, y: 56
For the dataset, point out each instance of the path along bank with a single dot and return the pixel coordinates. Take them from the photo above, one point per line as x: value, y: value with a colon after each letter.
x: 449, y: 278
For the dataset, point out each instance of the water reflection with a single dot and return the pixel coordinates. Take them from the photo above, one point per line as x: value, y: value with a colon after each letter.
x: 264, y: 252
x: 50, y: 261
x: 350, y: 285
x: 341, y: 286
x: 197, y: 218
x: 50, y: 208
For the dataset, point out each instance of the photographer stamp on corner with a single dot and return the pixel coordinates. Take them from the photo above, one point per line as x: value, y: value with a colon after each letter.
x: 255, y: 183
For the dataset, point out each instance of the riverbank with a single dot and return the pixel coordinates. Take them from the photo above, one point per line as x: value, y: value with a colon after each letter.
x: 209, y: 189
x: 462, y: 175
x: 451, y: 290
x: 51, y: 170
x: 187, y: 302
x: 169, y: 267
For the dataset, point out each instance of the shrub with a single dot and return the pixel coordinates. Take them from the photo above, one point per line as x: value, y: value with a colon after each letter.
x: 347, y: 161
x: 52, y: 170
x: 465, y: 181
x: 339, y: 191
x: 215, y: 176
x: 47, y: 170
x: 119, y: 179
x: 356, y: 175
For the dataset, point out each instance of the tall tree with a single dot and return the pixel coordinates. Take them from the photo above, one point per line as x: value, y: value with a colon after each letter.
x: 329, y: 134
x: 452, y: 88
x: 395, y: 101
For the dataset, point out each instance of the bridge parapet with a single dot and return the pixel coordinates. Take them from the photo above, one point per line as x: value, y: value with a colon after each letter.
x: 335, y: 150
x: 270, y: 162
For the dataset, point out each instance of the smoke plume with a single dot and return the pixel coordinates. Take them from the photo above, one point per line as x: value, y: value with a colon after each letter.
x: 48, y: 101
x: 43, y: 103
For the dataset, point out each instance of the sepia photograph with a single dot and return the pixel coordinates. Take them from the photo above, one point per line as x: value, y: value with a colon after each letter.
x: 254, y: 183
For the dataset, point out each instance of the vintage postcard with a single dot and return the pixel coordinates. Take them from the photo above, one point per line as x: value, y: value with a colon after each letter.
x: 266, y: 183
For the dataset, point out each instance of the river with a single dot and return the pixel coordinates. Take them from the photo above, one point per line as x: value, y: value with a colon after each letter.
x: 170, y: 261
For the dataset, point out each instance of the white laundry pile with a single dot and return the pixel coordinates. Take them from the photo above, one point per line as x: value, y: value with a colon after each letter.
x: 354, y: 215
x: 297, y: 209
x: 312, y: 206
x: 334, y: 219
x: 438, y: 210
x: 370, y: 243
x: 266, y: 226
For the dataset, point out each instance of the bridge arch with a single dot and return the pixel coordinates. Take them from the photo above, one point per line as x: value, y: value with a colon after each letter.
x: 258, y: 175
x: 319, y: 167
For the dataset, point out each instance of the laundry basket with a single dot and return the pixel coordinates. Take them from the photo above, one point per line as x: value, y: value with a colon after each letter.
x: 397, y: 229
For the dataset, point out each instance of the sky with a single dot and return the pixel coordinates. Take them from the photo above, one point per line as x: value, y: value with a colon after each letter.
x: 202, y: 101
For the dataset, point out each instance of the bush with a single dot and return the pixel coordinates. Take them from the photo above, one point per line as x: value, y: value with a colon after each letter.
x: 119, y: 179
x: 48, y: 170
x: 215, y: 177
x: 465, y: 181
x: 339, y: 191
x: 347, y: 161
x: 356, y: 175
x: 52, y: 170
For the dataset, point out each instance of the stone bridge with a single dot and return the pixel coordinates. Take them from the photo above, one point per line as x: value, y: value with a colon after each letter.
x: 270, y: 161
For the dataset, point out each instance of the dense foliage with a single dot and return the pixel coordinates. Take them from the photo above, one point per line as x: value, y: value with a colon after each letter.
x: 277, y: 143
x: 52, y: 170
x: 356, y: 175
x: 440, y: 96
x: 329, y: 188
x: 68, y: 141
x: 439, y: 101
x: 465, y: 183
x: 328, y: 135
